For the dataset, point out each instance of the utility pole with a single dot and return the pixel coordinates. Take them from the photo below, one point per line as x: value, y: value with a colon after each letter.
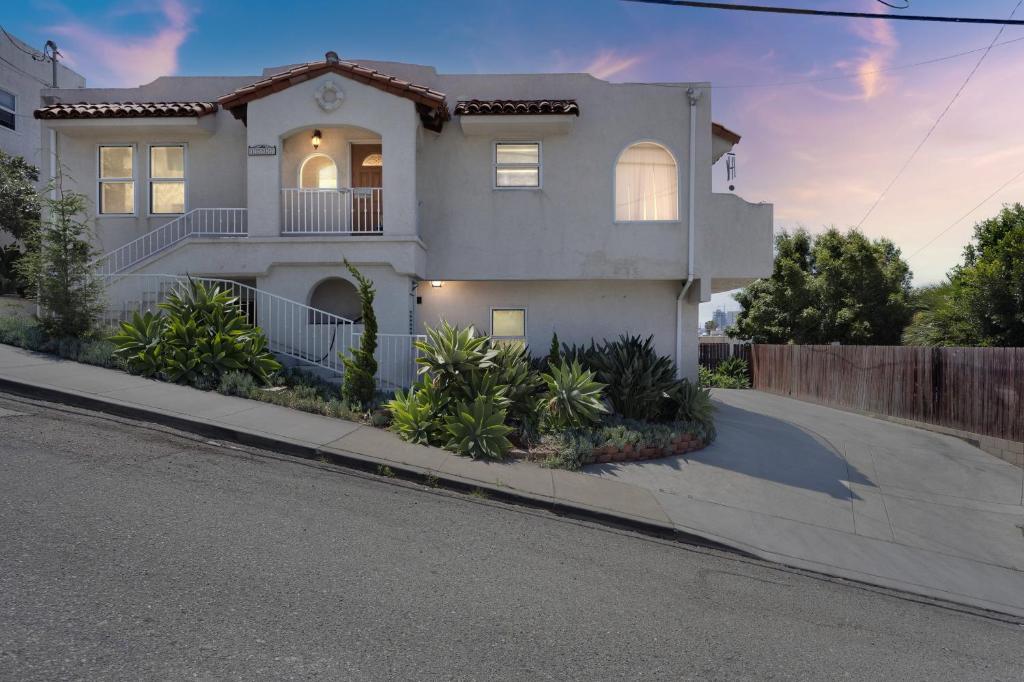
x: 54, y: 53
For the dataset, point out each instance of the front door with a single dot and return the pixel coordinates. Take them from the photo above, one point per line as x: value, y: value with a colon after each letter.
x: 367, y: 179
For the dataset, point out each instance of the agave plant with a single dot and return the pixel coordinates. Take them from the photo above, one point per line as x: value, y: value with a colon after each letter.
x: 195, y: 299
x: 451, y: 353
x: 692, y: 403
x: 523, y: 386
x: 573, y: 399
x: 638, y: 379
x: 138, y: 343
x: 478, y: 430
x: 414, y: 416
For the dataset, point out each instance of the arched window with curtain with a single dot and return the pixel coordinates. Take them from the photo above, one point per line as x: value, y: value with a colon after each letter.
x: 646, y: 184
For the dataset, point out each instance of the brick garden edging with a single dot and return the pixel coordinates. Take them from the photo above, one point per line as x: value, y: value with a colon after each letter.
x: 680, y: 445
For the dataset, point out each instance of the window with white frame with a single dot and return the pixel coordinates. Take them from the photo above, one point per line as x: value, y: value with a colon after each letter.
x: 167, y: 179
x: 508, y: 325
x: 646, y: 184
x: 8, y: 109
x: 117, y: 179
x: 516, y: 165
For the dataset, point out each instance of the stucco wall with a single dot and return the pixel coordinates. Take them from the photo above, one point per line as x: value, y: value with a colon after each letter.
x: 578, y: 311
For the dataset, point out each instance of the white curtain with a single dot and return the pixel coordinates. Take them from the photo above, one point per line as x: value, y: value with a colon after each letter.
x: 646, y: 184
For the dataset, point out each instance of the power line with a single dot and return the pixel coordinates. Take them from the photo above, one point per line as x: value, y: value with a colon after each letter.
x: 25, y: 73
x: 847, y: 76
x: 935, y: 125
x: 959, y: 220
x: 31, y: 53
x: 827, y: 13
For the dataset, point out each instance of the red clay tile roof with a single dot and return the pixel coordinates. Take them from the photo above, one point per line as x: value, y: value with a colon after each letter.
x: 724, y: 133
x: 520, y: 107
x: 430, y: 103
x: 125, y: 110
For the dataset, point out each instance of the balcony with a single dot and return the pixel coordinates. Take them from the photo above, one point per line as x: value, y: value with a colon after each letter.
x: 338, y: 211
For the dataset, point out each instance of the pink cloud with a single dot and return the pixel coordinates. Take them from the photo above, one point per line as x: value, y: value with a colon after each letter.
x: 110, y: 59
x: 877, y: 55
x: 609, y: 63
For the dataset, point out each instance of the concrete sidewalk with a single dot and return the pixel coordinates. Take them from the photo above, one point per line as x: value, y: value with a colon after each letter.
x: 767, y: 486
x: 849, y: 495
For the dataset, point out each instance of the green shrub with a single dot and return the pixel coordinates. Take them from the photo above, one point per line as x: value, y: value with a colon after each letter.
x: 573, y: 398
x: 524, y: 387
x: 415, y: 416
x: 203, y: 335
x: 478, y: 430
x: 692, y: 404
x: 360, y: 383
x: 573, y: 448
x: 451, y: 354
x: 69, y: 347
x: 637, y: 379
x: 237, y: 383
x: 21, y: 331
x: 99, y: 353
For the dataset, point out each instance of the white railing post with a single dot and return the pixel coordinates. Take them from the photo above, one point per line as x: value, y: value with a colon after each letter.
x: 344, y: 210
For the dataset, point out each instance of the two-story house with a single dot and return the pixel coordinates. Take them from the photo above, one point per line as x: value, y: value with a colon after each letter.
x: 522, y: 204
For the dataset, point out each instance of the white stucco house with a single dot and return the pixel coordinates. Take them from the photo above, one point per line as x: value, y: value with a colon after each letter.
x: 521, y: 204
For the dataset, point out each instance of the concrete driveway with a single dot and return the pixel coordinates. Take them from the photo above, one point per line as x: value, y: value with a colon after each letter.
x: 849, y: 495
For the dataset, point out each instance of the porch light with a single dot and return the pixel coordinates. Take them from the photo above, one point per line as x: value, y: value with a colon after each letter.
x: 436, y: 283
x: 316, y: 139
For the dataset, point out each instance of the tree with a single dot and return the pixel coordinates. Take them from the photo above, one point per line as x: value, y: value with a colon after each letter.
x: 981, y: 303
x: 833, y: 287
x: 360, y: 384
x: 58, y: 266
x: 19, y: 200
x: 710, y: 326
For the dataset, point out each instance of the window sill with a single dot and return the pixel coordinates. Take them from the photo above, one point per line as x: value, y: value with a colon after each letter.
x: 675, y: 221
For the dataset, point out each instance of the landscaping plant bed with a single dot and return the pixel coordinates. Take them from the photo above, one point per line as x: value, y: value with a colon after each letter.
x: 680, y: 445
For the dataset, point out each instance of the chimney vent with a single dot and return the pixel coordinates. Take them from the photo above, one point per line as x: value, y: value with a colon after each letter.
x: 331, y: 57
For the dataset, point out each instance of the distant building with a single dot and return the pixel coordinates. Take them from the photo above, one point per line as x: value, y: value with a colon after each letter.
x: 723, y: 319
x: 24, y: 72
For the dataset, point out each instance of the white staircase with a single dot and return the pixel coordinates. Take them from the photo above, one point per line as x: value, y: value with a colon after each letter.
x: 199, y: 222
x: 310, y: 336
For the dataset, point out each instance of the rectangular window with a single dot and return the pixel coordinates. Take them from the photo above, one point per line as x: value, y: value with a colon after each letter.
x: 516, y: 165
x: 8, y: 109
x: 167, y: 179
x: 508, y: 325
x: 117, y: 180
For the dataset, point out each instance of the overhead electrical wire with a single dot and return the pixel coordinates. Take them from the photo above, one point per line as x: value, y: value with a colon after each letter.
x: 935, y: 125
x: 829, y: 13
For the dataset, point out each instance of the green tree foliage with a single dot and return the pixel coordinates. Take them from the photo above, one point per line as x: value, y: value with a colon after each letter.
x: 58, y: 267
x: 982, y: 301
x: 19, y: 200
x: 833, y: 287
x: 360, y: 385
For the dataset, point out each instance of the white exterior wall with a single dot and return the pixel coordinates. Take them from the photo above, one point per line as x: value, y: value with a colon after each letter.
x: 578, y: 311
x: 27, y: 78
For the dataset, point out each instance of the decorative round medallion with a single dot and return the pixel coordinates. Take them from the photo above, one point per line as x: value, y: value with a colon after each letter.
x: 329, y: 96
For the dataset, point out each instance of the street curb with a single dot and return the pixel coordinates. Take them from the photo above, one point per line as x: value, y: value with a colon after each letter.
x: 358, y: 462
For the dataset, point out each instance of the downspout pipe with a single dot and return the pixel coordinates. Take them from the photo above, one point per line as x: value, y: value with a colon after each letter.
x: 693, y: 96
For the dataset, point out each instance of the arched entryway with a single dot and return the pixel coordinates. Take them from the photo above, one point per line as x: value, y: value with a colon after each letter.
x: 337, y: 296
x: 318, y: 171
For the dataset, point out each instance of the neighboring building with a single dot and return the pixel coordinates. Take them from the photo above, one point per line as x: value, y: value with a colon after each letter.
x: 24, y: 72
x: 724, y: 318
x: 521, y: 204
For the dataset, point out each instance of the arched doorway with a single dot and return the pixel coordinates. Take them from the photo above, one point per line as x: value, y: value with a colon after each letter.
x: 318, y: 171
x: 336, y: 296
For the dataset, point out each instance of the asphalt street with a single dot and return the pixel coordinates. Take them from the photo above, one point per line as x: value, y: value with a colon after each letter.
x: 133, y: 552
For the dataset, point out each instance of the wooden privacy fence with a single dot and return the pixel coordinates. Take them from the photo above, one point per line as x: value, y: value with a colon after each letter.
x: 980, y: 390
x: 711, y: 355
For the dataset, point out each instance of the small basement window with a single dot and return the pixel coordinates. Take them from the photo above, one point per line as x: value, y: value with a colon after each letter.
x: 508, y: 325
x: 516, y: 165
x: 8, y: 109
x: 117, y: 180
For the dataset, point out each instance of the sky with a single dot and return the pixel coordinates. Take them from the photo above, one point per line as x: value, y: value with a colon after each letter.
x: 829, y: 109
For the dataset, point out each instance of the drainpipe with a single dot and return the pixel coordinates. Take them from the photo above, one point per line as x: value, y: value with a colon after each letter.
x: 693, y: 96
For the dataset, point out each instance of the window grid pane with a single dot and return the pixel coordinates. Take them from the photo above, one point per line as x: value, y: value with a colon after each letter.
x: 7, y: 100
x: 167, y: 196
x: 167, y: 162
x: 508, y: 323
x: 518, y: 153
x: 516, y: 164
x: 117, y: 197
x: 116, y: 162
x: 7, y: 119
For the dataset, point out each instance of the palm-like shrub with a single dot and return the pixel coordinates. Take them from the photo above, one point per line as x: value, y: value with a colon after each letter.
x: 201, y: 335
x: 478, y: 430
x: 691, y: 403
x: 416, y: 416
x: 450, y: 354
x: 637, y: 378
x: 573, y: 398
x: 523, y: 387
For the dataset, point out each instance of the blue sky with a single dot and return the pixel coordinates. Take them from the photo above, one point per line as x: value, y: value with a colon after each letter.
x: 820, y: 151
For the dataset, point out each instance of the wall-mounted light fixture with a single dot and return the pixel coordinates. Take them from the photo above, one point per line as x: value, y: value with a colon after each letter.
x: 436, y: 283
x: 316, y: 139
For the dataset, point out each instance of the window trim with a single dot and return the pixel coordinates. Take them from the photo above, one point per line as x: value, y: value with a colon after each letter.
x: 526, y: 328
x: 100, y: 180
x: 13, y: 112
x: 150, y: 180
x: 539, y: 165
x: 679, y: 183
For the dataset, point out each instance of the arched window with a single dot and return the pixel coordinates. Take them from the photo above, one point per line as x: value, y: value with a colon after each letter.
x: 646, y: 184
x: 318, y: 171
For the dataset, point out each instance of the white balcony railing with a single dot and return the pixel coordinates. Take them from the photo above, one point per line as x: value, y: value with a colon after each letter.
x: 345, y: 210
x: 199, y: 222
